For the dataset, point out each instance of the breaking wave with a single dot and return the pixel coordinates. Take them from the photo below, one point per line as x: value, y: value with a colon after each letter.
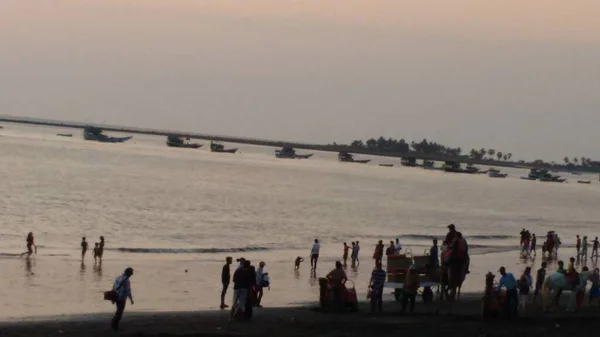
x: 476, y: 237
x: 189, y: 250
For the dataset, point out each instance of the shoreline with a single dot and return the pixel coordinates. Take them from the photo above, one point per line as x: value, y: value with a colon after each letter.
x: 309, y: 321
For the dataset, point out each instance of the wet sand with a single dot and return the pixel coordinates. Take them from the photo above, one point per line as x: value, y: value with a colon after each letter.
x: 464, y: 321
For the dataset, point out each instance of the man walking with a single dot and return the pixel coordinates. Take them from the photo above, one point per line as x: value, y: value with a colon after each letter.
x: 595, y: 249
x: 122, y: 287
x: 578, y: 247
x: 376, y: 284
x: 225, y: 279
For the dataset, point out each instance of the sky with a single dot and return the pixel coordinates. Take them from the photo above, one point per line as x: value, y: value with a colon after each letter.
x: 519, y: 76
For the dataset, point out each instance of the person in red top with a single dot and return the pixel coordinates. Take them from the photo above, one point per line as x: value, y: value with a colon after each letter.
x: 378, y: 254
x: 346, y: 248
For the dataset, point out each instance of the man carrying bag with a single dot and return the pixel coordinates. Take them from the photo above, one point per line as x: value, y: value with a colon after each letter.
x: 119, y: 294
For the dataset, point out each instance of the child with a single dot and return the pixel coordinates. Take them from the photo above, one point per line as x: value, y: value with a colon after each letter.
x: 298, y: 261
x: 96, y: 251
x: 84, y: 247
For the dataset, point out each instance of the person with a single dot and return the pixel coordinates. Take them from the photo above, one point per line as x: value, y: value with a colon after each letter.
x: 297, y: 262
x: 561, y: 267
x: 578, y: 246
x: 96, y: 251
x: 558, y: 242
x: 337, y: 279
x: 539, y: 280
x: 252, y: 290
x: 595, y: 249
x: 378, y: 253
x: 84, y: 248
x: 101, y: 249
x: 571, y: 265
x: 584, y: 248
x: 434, y: 255
x: 522, y: 234
x: 261, y: 282
x: 30, y: 245
x: 225, y: 280
x: 450, y: 235
x: 353, y: 256
x: 509, y: 282
x: 376, y: 285
x: 240, y: 262
x: 533, y: 243
x: 525, y: 244
x: 314, y: 255
x: 391, y: 250
x: 357, y: 251
x: 345, y: 256
x: 122, y: 286
x: 241, y: 283
x: 410, y: 289
x: 397, y: 247
x: 525, y: 283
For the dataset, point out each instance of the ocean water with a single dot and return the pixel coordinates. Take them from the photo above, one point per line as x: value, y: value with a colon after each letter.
x: 164, y: 211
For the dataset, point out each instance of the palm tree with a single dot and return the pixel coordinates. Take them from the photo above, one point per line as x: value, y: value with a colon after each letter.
x: 505, y: 157
x: 491, y: 152
x: 499, y: 155
x: 567, y: 161
x: 576, y: 160
x: 509, y: 156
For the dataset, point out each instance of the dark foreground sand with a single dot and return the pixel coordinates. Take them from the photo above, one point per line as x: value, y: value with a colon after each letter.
x: 464, y: 321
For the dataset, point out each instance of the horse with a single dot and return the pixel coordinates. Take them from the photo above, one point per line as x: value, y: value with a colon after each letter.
x: 557, y: 283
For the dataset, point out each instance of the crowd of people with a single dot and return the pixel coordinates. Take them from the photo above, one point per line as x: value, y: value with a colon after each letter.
x: 248, y: 287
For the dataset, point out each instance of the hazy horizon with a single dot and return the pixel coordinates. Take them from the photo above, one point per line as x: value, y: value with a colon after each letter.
x: 516, y: 76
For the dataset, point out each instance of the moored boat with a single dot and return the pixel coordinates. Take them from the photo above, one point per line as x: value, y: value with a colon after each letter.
x: 455, y: 167
x: 349, y: 158
x: 584, y: 181
x: 64, y: 134
x: 287, y: 152
x: 95, y: 134
x: 408, y: 161
x: 176, y: 141
x: 497, y: 174
x: 387, y: 165
x: 218, y: 147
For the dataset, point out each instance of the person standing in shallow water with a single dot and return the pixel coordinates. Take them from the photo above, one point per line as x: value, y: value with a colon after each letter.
x: 595, y: 249
x: 30, y: 245
x: 314, y: 255
x: 101, y: 249
x: 378, y: 254
x: 345, y: 256
x: 225, y: 279
x: 122, y: 287
x: 84, y: 248
x: 533, y: 243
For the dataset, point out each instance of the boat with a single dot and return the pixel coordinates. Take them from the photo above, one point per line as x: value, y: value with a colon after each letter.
x: 584, y: 181
x: 95, y: 134
x: 64, y: 134
x: 218, y: 147
x: 430, y: 165
x: 387, y: 165
x: 287, y: 152
x: 496, y: 174
x: 576, y: 173
x: 454, y: 167
x: 543, y: 175
x: 176, y: 141
x: 349, y: 158
x: 553, y: 179
x: 409, y: 161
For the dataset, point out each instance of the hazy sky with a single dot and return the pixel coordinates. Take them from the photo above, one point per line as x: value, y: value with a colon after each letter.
x: 520, y: 76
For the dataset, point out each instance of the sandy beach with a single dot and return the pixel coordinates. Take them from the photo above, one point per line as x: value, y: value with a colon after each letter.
x: 464, y: 321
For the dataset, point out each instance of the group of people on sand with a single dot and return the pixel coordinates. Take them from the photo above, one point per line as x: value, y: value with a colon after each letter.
x: 582, y: 247
x: 98, y: 249
x: 248, y: 287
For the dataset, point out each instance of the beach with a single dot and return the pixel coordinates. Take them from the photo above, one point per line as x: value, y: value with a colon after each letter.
x: 174, y: 215
x: 465, y: 321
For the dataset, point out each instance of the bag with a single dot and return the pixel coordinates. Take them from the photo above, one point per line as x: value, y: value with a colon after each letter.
x: 112, y: 295
x: 265, y: 282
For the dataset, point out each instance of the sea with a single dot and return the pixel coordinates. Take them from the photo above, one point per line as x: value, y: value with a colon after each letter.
x: 174, y: 215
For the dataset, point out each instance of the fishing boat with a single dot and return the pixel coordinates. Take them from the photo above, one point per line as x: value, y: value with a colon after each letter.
x: 387, y: 165
x: 584, y: 181
x: 176, y: 141
x: 95, y: 134
x: 455, y: 167
x: 496, y: 174
x: 218, y: 147
x: 287, y: 152
x: 553, y: 179
x: 409, y: 161
x: 349, y: 158
x: 64, y: 134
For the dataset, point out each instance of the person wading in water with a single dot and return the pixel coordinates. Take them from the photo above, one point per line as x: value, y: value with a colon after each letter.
x: 30, y: 245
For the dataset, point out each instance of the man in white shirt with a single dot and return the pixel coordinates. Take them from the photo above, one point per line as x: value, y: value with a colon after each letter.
x: 314, y: 255
x: 397, y: 247
x: 122, y: 287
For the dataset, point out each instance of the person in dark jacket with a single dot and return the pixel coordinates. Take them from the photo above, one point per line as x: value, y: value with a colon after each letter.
x: 251, y: 299
x: 240, y: 289
x: 225, y: 279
